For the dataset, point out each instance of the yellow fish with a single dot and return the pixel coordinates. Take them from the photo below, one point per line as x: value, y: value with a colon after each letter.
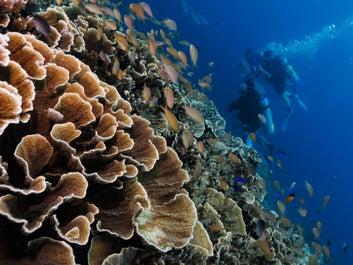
x: 309, y: 188
x: 252, y: 136
x: 171, y: 119
x: 194, y: 54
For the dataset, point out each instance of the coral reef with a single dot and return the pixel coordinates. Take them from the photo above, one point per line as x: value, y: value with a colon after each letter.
x: 109, y: 156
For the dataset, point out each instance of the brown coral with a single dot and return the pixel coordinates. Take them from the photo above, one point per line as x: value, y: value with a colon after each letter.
x: 88, y: 153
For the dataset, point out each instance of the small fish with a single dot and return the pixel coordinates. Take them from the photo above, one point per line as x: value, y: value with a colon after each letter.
x: 169, y: 97
x: 200, y: 146
x: 319, y: 225
x: 267, y: 216
x: 194, y: 114
x: 303, y: 212
x: 291, y: 196
x: 281, y: 207
x: 173, y: 52
x: 282, y: 153
x: 309, y: 188
x: 129, y: 22
x: 170, y: 24
x: 146, y: 7
x: 117, y: 14
x: 138, y: 11
x: 224, y: 184
x: 239, y: 179
x: 326, y: 251
x: 110, y: 24
x: 252, y: 136
x: 94, y: 9
x: 146, y: 92
x: 194, y: 54
x: 187, y: 138
x: 41, y: 25
x: 316, y: 233
x: 172, y: 120
x: 270, y: 158
x: 234, y: 158
x: 153, y: 45
x: 184, y: 60
x: 325, y: 201
x: 171, y: 73
x: 277, y: 184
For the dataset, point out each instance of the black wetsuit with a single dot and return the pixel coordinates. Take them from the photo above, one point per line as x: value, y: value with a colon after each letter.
x: 277, y: 69
x: 249, y: 108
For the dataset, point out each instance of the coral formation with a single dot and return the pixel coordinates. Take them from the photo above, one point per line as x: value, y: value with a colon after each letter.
x: 109, y: 156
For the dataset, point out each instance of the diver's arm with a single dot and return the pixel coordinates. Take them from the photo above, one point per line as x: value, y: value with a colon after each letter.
x: 263, y: 71
x: 234, y: 105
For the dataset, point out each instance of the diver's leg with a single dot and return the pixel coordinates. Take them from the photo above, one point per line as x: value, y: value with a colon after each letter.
x: 286, y: 97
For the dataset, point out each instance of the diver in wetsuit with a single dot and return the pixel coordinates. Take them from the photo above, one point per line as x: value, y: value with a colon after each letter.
x: 252, y: 107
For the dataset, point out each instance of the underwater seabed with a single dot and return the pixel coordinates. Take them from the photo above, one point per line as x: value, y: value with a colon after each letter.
x: 94, y: 171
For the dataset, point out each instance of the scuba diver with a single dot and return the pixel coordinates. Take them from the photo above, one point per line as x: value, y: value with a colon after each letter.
x: 254, y: 111
x: 279, y: 73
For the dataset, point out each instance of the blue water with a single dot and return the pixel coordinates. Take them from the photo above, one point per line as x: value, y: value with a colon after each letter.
x: 318, y: 142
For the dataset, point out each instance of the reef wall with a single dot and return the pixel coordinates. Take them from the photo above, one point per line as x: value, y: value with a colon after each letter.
x: 106, y: 158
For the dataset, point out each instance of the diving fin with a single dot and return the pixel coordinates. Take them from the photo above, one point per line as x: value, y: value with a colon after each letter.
x: 300, y: 102
x: 285, y: 123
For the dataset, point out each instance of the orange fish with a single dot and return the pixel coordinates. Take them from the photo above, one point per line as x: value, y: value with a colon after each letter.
x: 169, y: 97
x: 146, y: 92
x: 94, y: 9
x: 184, y: 60
x: 173, y: 52
x: 252, y: 136
x: 170, y: 24
x: 153, y: 45
x: 187, y: 138
x: 117, y: 14
x: 224, y: 184
x: 138, y: 11
x: 325, y: 201
x: 110, y: 24
x: 289, y: 199
x: 194, y: 114
x: 309, y: 188
x: 281, y: 207
x: 303, y: 212
x: 194, y: 54
x: 129, y: 22
x: 200, y: 146
x: 171, y: 73
x: 291, y: 196
x: 171, y: 119
x: 316, y: 233
x: 234, y: 158
x: 146, y: 7
x: 122, y: 41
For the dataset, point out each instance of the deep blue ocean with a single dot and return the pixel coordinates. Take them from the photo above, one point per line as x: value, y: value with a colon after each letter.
x: 317, y: 38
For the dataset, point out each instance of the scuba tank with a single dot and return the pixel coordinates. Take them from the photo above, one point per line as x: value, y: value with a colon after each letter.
x: 265, y: 106
x: 292, y: 74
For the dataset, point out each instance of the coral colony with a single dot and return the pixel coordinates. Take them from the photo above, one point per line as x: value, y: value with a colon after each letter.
x: 108, y: 155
